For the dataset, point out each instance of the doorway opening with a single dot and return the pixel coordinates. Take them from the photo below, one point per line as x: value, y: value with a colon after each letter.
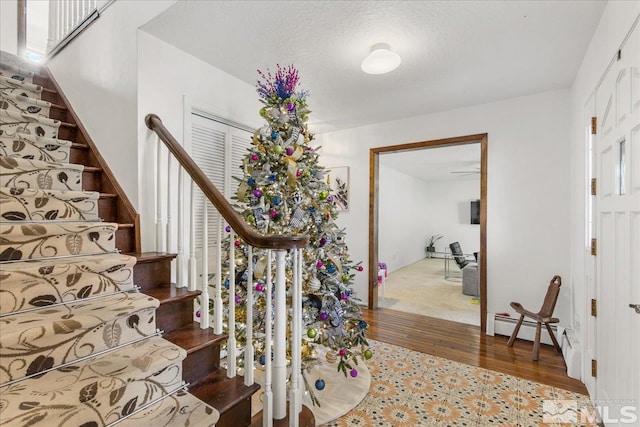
x: 375, y: 215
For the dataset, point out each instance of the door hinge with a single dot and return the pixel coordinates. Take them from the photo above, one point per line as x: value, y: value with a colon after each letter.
x: 594, y: 125
x: 594, y: 308
x: 594, y: 247
x: 594, y: 368
x: 594, y: 186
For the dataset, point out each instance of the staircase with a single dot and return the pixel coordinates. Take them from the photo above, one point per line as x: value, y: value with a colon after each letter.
x: 92, y: 332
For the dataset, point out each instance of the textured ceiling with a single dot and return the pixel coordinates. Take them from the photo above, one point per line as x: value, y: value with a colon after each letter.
x: 454, y: 53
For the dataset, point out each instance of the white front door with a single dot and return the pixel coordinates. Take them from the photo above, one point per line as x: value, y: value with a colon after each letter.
x: 618, y: 234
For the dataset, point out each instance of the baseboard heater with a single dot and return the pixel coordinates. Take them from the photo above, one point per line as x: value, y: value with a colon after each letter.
x: 498, y: 324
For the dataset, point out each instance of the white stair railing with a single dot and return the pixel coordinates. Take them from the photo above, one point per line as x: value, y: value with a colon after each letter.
x: 66, y: 17
x: 277, y: 368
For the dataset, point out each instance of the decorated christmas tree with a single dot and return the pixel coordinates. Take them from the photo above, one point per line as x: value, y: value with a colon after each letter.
x: 284, y: 190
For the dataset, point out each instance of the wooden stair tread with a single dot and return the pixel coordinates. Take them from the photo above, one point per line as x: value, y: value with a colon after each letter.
x: 69, y: 125
x: 79, y: 146
x: 146, y: 257
x: 221, y: 392
x: 192, y: 337
x: 306, y: 419
x: 170, y: 293
x: 108, y: 195
x: 92, y: 169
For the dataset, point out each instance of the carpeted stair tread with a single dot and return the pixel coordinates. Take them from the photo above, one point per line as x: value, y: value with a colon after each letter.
x: 11, y: 72
x: 24, y: 104
x: 9, y: 61
x: 179, y: 409
x: 29, y: 204
x: 10, y: 85
x: 101, y: 389
x: 26, y: 285
x: 26, y: 173
x: 22, y: 240
x: 32, y: 124
x: 39, y: 340
x: 36, y: 148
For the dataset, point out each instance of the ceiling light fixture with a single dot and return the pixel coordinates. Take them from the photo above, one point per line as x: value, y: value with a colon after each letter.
x: 381, y: 60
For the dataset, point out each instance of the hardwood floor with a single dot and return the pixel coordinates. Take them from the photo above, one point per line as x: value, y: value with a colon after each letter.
x: 465, y: 344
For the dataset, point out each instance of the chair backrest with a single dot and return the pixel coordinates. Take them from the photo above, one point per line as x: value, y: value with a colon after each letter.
x: 458, y: 256
x: 551, y: 298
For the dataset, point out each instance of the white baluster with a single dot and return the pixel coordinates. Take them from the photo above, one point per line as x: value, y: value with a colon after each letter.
x: 158, y: 185
x: 52, y: 38
x: 168, y: 232
x: 267, y: 397
x: 248, y: 351
x: 75, y: 14
x: 217, y: 296
x: 193, y: 275
x: 181, y: 273
x: 68, y: 17
x: 295, y: 394
x: 204, y: 304
x: 231, y: 341
x: 63, y: 18
x: 280, y: 341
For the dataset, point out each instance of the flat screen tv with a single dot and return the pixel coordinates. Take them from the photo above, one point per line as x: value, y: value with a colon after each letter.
x: 475, y: 212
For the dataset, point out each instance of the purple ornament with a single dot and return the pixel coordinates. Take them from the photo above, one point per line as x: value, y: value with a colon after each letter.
x: 198, y: 314
x: 342, y: 352
x: 310, y: 148
x: 319, y: 264
x: 227, y: 229
x: 259, y: 287
x: 254, y: 157
x: 289, y: 151
x: 353, y: 373
x: 344, y: 297
x: 257, y: 193
x: 324, y: 316
x: 298, y: 173
x: 238, y: 299
x: 273, y: 213
x: 360, y: 268
x: 291, y: 106
x: 330, y: 199
x: 323, y: 241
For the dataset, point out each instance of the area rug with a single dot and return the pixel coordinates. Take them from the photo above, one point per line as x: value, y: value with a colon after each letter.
x: 421, y: 288
x: 416, y: 389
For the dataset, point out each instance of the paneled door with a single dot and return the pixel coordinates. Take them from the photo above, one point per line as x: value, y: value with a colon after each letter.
x: 618, y: 237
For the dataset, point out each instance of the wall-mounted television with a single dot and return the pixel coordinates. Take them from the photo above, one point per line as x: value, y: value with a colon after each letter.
x: 475, y: 212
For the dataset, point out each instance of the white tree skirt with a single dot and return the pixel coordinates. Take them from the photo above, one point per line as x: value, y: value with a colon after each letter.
x: 339, y: 396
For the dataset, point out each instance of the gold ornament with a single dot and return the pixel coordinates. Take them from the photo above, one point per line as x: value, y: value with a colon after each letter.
x: 331, y: 356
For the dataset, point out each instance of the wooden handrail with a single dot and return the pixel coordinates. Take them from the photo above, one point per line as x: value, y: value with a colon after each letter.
x: 246, y: 233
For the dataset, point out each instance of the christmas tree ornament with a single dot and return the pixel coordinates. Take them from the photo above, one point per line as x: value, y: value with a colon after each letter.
x: 259, y: 287
x: 324, y: 316
x: 320, y: 384
x: 353, y: 373
x: 360, y: 268
x: 331, y: 356
x: 277, y: 149
x: 368, y: 354
x: 311, y: 333
x: 342, y: 352
x: 323, y: 195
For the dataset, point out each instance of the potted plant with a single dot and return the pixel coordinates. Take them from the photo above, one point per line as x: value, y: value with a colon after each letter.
x: 431, y: 244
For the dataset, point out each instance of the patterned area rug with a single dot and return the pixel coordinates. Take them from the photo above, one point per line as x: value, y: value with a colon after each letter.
x: 416, y: 389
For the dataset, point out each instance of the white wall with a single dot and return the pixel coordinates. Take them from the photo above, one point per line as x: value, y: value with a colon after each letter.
x: 168, y: 79
x: 449, y: 213
x: 616, y: 20
x: 9, y: 27
x: 528, y: 183
x: 98, y: 73
x: 403, y: 219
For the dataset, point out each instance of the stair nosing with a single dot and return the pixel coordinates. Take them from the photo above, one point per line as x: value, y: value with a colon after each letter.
x: 209, y: 380
x: 216, y: 338
x: 171, y: 299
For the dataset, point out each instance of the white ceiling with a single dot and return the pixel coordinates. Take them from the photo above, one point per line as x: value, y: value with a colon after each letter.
x: 436, y: 164
x: 454, y: 53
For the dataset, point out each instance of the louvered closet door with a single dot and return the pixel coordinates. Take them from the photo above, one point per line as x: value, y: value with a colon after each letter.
x: 208, y: 142
x: 240, y: 143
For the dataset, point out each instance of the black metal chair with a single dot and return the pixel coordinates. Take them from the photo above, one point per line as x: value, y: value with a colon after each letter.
x: 458, y: 256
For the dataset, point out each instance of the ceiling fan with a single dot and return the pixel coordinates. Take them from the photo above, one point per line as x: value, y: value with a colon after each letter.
x: 476, y: 171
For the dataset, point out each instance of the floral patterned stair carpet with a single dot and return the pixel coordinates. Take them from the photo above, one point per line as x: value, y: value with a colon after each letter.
x: 78, y: 343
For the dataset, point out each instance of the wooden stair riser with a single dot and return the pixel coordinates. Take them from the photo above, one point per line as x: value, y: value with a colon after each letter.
x: 51, y: 95
x: 201, y: 363
x: 92, y: 180
x: 148, y: 275
x: 126, y: 238
x: 108, y: 208
x: 175, y: 314
x: 239, y: 415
